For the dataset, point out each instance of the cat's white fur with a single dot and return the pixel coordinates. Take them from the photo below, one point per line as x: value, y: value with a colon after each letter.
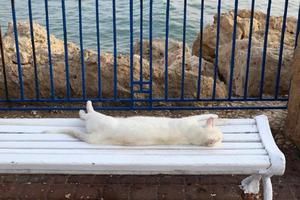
x: 139, y: 130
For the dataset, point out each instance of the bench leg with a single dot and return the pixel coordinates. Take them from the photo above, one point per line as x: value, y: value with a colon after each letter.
x: 250, y: 184
x: 268, y: 191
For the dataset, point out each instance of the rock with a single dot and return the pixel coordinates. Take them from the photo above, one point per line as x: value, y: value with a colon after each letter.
x: 190, y: 85
x: 27, y: 64
x: 243, y: 26
x: 58, y: 63
x: 207, y: 68
x: 271, y: 66
x: 292, y: 125
x: 91, y: 69
x: 158, y: 50
x: 107, y: 75
x: 174, y: 56
x: 175, y: 71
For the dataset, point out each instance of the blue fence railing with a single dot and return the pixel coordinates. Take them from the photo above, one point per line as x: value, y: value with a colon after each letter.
x: 150, y: 74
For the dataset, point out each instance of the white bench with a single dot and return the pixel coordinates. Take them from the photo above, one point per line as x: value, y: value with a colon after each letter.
x: 248, y: 148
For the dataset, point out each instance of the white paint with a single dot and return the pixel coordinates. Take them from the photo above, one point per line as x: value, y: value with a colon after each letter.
x: 83, y: 145
x: 173, y: 164
x: 276, y: 156
x: 186, y: 152
x: 13, y: 137
x: 268, y: 191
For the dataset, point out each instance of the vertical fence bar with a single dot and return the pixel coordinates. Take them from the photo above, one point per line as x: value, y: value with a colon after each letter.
x: 3, y: 65
x: 81, y: 51
x: 141, y: 45
x: 249, y: 50
x: 17, y: 49
x: 233, y: 49
x: 200, y: 51
x: 298, y: 27
x: 261, y: 90
x: 49, y: 51
x: 150, y: 49
x: 183, y: 50
x: 281, y: 49
x: 131, y: 51
x: 167, y: 49
x: 98, y: 51
x: 217, y: 50
x: 115, y: 48
x: 66, y: 48
x: 36, y: 78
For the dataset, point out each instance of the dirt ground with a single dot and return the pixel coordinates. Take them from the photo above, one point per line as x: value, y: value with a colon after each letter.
x: 152, y: 187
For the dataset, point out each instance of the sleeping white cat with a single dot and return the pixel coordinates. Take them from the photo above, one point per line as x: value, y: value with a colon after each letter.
x: 103, y: 129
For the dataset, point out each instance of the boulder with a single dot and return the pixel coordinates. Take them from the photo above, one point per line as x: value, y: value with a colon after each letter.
x: 292, y: 125
x: 158, y: 50
x: 91, y: 69
x: 242, y: 31
x: 190, y: 85
x: 174, y: 56
x: 59, y: 69
x: 271, y: 67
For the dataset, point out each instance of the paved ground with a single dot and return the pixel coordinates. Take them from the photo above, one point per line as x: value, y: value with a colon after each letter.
x: 153, y: 187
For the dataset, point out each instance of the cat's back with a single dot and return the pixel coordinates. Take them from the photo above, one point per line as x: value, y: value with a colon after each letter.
x: 145, y: 121
x: 144, y: 130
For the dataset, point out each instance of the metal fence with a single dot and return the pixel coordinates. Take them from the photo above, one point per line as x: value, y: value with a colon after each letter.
x: 141, y: 90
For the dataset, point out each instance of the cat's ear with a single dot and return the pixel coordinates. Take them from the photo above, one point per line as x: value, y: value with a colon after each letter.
x: 210, y: 122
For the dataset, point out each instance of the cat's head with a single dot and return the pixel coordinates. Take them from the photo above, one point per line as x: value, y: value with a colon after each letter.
x: 214, y: 136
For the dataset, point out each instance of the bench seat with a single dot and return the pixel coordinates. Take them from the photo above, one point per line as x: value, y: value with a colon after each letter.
x: 248, y: 148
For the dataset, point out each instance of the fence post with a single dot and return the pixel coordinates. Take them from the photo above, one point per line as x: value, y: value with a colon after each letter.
x: 293, y: 118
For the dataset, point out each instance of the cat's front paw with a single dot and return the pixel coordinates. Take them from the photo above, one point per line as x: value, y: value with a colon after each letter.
x: 212, y: 143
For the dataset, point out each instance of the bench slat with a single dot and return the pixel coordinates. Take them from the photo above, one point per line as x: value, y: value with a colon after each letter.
x: 135, y: 152
x: 82, y: 145
x: 130, y: 164
x: 78, y: 123
x: 236, y: 137
x: 38, y: 129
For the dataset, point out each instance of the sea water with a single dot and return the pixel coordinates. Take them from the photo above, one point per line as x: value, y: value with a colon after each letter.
x: 122, y: 18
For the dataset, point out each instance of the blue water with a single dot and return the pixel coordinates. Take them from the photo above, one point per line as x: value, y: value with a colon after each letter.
x: 122, y: 16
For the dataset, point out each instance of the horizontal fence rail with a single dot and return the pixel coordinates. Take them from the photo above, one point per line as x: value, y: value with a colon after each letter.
x: 152, y: 62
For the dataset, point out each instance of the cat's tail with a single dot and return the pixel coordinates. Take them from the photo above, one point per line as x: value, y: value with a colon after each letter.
x: 74, y: 133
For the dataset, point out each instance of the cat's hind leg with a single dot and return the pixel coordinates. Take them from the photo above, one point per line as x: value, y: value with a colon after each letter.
x: 82, y: 115
x: 89, y: 107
